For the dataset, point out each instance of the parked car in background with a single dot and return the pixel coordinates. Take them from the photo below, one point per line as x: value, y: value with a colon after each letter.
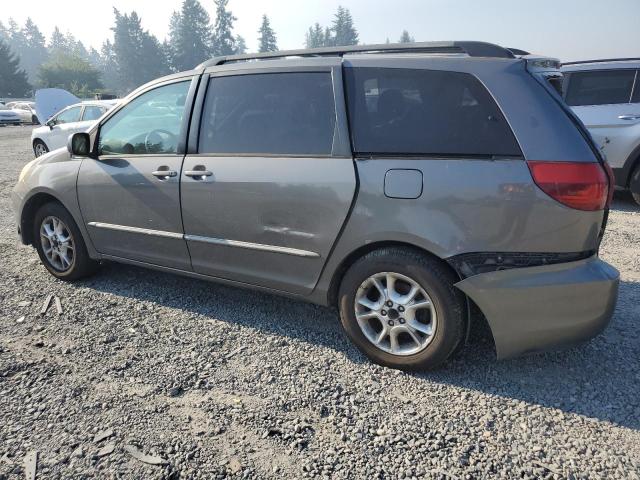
x: 402, y: 189
x: 26, y: 111
x: 74, y: 118
x: 605, y: 95
x: 8, y: 116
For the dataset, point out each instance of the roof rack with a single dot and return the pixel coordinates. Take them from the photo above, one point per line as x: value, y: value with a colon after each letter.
x: 473, y: 49
x: 603, y: 60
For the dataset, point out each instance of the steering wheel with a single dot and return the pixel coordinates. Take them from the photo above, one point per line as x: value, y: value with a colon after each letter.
x: 150, y: 141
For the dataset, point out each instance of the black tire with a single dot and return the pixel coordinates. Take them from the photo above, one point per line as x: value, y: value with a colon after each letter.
x: 436, y: 280
x: 37, y: 143
x: 81, y: 265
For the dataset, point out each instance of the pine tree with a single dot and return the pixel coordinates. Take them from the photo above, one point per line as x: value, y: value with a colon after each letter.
x: 13, y: 80
x: 58, y: 43
x: 138, y: 54
x: 406, y: 38
x: 267, y: 41
x: 29, y: 45
x: 327, y: 39
x: 223, y: 42
x: 241, y: 45
x: 189, y: 33
x: 344, y: 32
x: 109, y: 67
x: 315, y: 37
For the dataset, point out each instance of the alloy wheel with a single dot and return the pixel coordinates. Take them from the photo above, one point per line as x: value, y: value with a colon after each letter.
x: 395, y: 313
x: 57, y: 243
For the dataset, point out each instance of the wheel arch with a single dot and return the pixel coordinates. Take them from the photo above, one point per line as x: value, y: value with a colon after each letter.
x: 29, y: 210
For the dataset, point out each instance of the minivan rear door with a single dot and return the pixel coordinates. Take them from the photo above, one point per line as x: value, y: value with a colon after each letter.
x: 270, y: 177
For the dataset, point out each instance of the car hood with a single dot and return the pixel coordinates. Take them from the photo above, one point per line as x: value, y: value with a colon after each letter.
x: 50, y: 101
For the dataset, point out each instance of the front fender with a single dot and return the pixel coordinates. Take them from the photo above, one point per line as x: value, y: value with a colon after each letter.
x: 50, y: 177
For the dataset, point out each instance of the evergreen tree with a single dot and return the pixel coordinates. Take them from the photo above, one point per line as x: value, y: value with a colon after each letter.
x: 241, y: 45
x: 109, y: 67
x: 267, y: 41
x: 58, y: 43
x: 4, y: 33
x: 406, y: 38
x: 344, y: 32
x: 328, y: 40
x: 13, y: 80
x: 315, y: 37
x: 189, y: 33
x: 223, y: 41
x: 138, y: 54
x: 35, y: 53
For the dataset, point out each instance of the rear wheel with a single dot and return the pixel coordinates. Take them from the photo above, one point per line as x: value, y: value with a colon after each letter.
x: 39, y: 148
x: 401, y: 309
x: 635, y: 179
x: 60, y: 244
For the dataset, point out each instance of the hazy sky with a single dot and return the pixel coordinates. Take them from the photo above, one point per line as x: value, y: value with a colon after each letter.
x: 568, y: 29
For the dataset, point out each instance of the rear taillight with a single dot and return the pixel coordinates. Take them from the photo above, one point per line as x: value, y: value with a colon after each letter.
x: 579, y: 185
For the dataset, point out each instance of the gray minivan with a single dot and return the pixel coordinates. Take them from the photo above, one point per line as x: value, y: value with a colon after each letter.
x: 405, y: 185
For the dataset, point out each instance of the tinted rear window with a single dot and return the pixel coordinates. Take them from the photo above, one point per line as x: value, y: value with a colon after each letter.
x: 405, y: 111
x: 275, y: 113
x: 602, y: 87
x: 636, y: 89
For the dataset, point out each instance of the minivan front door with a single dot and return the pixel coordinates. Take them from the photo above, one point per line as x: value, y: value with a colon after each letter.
x: 130, y: 195
x: 266, y: 195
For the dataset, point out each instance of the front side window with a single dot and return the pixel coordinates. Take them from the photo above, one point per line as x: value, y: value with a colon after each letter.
x: 68, y: 116
x: 275, y: 113
x: 92, y: 112
x: 148, y: 124
x: 602, y: 87
x: 425, y: 112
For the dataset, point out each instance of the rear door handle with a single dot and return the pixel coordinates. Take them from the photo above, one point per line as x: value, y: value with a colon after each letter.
x: 630, y: 117
x: 164, y: 174
x: 198, y: 174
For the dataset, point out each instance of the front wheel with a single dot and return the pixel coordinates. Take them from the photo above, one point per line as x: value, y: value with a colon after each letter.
x: 401, y: 309
x: 39, y: 148
x: 60, y: 244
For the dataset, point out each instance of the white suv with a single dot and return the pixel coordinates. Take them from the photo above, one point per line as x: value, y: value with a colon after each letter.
x: 75, y: 118
x: 605, y: 95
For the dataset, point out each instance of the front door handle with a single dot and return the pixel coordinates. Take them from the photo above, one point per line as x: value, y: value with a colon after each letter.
x: 630, y: 117
x: 164, y: 174
x: 198, y: 174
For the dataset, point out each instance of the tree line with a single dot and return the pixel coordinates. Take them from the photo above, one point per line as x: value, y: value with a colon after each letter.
x: 134, y: 56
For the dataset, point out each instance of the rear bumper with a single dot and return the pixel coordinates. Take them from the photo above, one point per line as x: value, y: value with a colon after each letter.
x: 542, y: 308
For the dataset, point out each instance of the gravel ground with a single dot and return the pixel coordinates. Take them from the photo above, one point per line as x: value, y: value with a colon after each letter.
x: 208, y: 381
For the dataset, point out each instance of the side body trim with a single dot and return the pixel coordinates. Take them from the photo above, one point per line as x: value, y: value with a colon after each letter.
x: 216, y: 241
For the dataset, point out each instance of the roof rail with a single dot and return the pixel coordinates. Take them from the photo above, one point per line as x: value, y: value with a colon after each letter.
x: 473, y: 49
x: 603, y: 60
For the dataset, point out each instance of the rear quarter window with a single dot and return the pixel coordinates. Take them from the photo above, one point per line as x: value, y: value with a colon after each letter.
x: 425, y: 112
x: 602, y: 87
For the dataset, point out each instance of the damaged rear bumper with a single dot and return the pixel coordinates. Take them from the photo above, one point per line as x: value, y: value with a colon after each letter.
x: 546, y: 307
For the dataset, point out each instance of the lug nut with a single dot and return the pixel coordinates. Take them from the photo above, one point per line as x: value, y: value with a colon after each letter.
x: 401, y: 320
x: 401, y: 308
x: 390, y: 323
x: 389, y: 303
x: 383, y: 312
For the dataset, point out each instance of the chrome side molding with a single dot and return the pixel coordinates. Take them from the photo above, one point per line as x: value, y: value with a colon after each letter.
x: 216, y: 241
x: 142, y: 231
x: 252, y: 246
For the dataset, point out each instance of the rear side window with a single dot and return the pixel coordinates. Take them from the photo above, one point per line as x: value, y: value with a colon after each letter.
x: 602, y: 87
x: 636, y: 89
x: 92, y: 112
x: 428, y: 112
x: 275, y: 113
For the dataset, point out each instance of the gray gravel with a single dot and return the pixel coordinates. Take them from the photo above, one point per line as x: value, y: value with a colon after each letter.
x: 146, y: 375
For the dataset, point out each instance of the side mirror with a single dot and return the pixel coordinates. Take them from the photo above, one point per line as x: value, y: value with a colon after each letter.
x: 79, y: 144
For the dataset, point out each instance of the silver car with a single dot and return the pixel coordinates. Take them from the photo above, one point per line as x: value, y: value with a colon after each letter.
x: 605, y: 95
x: 405, y: 185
